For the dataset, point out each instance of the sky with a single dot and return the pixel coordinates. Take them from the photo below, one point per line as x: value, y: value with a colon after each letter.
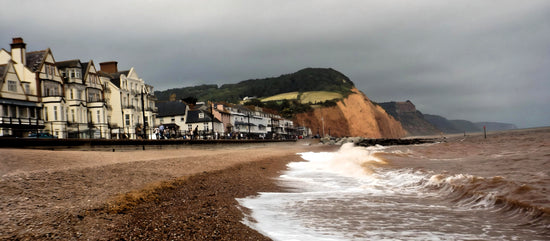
x: 478, y: 60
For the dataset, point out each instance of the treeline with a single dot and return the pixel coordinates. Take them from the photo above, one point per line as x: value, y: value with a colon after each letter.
x: 309, y: 79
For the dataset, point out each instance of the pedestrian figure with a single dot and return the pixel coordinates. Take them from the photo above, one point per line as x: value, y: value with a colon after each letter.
x: 161, y: 131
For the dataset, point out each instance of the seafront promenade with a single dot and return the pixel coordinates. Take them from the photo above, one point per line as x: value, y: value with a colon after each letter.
x: 102, y: 144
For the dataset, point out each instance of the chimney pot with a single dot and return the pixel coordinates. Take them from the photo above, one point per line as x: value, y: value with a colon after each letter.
x: 17, y: 40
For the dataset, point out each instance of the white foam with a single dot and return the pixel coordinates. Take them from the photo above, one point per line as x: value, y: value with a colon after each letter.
x: 345, y: 178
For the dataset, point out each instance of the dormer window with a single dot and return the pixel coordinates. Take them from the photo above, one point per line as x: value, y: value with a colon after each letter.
x: 201, y: 115
x: 12, y: 85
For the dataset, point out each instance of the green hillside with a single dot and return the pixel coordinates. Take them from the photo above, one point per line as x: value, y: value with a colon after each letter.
x: 309, y: 79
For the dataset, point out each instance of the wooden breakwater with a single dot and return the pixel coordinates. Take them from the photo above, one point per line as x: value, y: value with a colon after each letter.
x: 393, y: 142
x: 34, y: 143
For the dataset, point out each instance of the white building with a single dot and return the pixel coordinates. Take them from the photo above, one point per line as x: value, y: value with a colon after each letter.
x: 201, y: 122
x: 173, y: 113
x: 42, y: 84
x: 130, y: 102
x: 87, y: 109
x: 18, y: 115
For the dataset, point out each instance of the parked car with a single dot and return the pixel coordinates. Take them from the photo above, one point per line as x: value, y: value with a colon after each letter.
x: 42, y: 135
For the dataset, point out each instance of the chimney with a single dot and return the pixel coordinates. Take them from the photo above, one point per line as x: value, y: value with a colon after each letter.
x: 109, y: 67
x: 18, y: 51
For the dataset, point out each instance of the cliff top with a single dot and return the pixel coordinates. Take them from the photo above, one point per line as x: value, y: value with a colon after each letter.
x: 308, y: 79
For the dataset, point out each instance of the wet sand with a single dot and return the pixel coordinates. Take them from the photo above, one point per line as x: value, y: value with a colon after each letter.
x: 181, y: 194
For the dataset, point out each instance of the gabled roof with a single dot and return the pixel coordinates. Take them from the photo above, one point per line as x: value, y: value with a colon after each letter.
x: 171, y: 108
x: 114, y: 77
x: 75, y: 63
x: 193, y: 117
x: 35, y: 59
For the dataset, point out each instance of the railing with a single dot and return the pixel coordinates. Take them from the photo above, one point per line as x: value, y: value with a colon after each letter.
x: 21, y: 121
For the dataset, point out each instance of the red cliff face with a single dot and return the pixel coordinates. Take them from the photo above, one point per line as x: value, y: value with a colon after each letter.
x: 354, y: 116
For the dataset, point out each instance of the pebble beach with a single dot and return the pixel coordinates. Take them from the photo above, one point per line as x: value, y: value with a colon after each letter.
x: 166, y: 194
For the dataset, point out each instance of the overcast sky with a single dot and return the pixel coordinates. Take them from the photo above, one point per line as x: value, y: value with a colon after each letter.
x: 465, y: 59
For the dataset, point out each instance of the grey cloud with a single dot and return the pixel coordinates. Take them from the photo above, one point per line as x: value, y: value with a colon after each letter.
x: 477, y: 60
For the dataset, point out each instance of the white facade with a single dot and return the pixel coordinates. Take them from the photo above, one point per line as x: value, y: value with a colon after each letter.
x: 130, y: 102
x: 18, y: 116
x: 77, y: 102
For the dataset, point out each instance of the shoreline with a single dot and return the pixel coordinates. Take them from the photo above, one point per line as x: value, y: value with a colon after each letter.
x: 202, y: 206
x: 66, y: 194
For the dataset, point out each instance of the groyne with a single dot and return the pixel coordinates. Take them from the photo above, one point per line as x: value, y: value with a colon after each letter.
x: 360, y: 141
x: 393, y: 142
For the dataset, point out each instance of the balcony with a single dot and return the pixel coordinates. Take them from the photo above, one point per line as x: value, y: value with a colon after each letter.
x: 14, y: 121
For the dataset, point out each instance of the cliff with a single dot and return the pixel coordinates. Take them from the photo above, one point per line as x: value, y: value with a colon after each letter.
x: 355, y: 115
x: 451, y: 126
x: 411, y: 119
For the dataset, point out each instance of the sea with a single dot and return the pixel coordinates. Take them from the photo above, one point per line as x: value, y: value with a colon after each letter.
x: 467, y: 187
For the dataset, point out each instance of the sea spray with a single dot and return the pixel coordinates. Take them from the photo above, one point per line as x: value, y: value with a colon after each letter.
x: 406, y: 193
x: 349, y: 160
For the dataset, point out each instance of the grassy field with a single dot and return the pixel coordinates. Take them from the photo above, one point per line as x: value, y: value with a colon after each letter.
x: 318, y: 96
x: 306, y: 97
x: 283, y: 96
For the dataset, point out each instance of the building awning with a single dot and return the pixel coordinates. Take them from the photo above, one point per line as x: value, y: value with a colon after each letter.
x: 19, y: 102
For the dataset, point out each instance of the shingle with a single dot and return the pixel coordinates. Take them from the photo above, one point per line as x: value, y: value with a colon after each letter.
x: 193, y: 117
x: 171, y: 108
x: 34, y: 59
x: 75, y: 63
x: 114, y: 77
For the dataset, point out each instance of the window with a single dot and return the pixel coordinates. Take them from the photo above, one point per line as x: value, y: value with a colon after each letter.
x: 72, y: 114
x: 201, y: 115
x: 55, y: 113
x: 46, y: 113
x: 12, y: 111
x: 79, y: 94
x: 22, y: 112
x: 27, y: 88
x: 98, y: 116
x: 72, y: 94
x: 5, y: 111
x: 182, y: 119
x: 190, y: 127
x: 12, y: 85
x: 127, y: 116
